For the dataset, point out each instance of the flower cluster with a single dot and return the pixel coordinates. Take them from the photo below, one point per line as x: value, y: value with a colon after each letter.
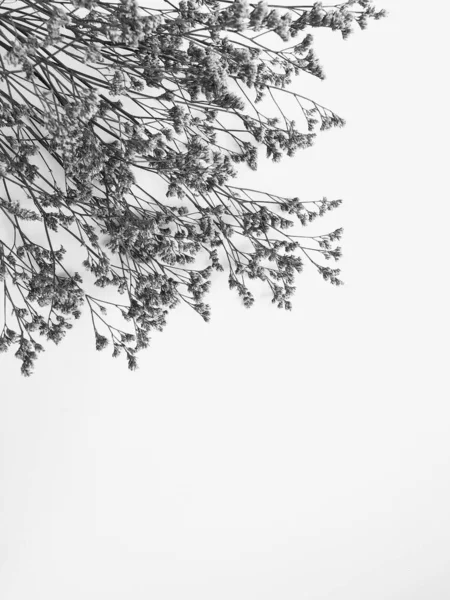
x: 96, y: 96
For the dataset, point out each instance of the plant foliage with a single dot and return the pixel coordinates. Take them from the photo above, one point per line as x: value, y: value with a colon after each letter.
x: 94, y: 95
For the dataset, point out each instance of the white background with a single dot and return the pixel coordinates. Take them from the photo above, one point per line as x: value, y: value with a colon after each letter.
x: 268, y: 455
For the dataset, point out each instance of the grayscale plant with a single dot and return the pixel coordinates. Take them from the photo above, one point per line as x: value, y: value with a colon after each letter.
x: 98, y: 96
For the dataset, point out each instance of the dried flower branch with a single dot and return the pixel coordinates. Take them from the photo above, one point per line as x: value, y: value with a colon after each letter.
x: 95, y: 94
